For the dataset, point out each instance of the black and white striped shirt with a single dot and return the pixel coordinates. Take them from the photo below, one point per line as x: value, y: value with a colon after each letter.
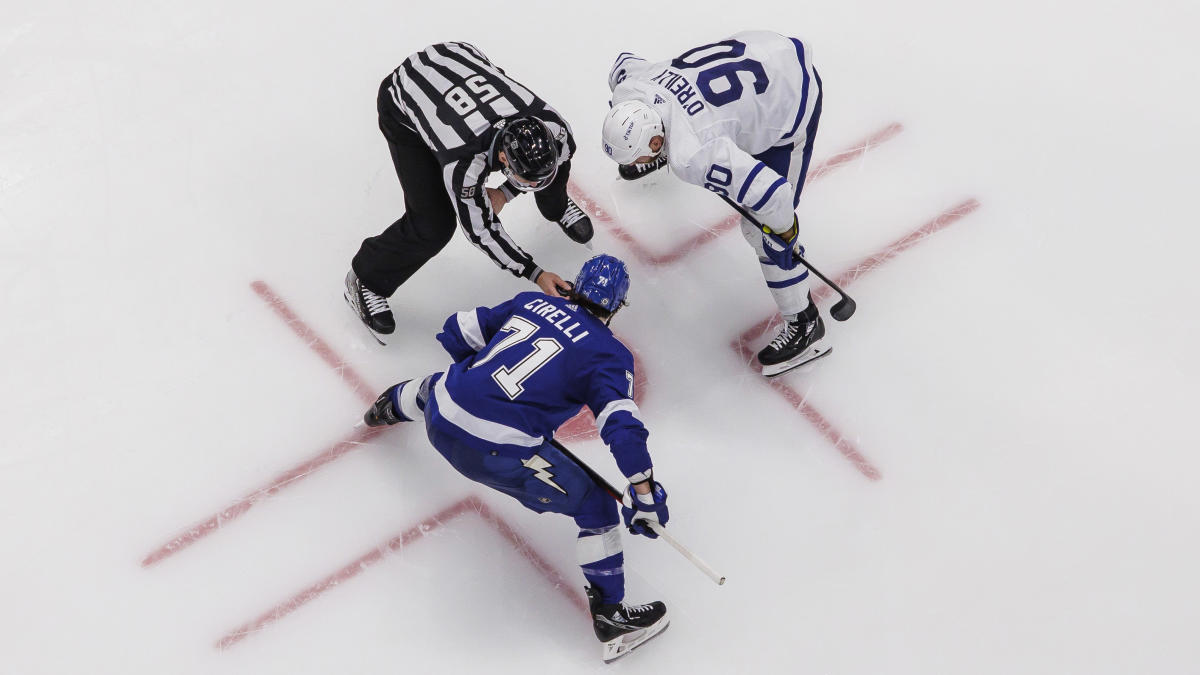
x: 453, y: 96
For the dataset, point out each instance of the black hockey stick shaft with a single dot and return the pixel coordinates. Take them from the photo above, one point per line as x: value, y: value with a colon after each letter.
x: 612, y: 491
x: 844, y: 308
x: 660, y: 530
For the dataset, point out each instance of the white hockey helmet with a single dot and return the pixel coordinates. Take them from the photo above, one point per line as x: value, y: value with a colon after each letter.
x: 628, y: 128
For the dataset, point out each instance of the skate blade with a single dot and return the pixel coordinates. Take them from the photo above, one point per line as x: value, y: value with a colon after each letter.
x: 620, y: 646
x: 373, y: 334
x: 807, y: 357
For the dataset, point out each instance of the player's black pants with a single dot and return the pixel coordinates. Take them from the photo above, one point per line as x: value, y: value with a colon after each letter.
x: 387, y: 260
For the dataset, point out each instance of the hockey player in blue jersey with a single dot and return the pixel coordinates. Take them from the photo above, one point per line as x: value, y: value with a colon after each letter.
x: 737, y: 117
x: 520, y: 370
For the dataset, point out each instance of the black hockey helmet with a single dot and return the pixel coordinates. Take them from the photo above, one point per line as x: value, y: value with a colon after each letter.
x: 531, y: 151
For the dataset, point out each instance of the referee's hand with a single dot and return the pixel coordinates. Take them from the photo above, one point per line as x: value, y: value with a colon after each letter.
x: 552, y: 284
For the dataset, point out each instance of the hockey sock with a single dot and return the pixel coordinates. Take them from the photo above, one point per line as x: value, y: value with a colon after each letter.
x: 608, y: 577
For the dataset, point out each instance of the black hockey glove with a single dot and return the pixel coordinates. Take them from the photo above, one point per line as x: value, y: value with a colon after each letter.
x: 636, y: 171
x: 383, y: 411
x: 636, y: 512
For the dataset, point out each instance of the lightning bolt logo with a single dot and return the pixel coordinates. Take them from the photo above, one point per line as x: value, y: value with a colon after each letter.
x: 539, y: 465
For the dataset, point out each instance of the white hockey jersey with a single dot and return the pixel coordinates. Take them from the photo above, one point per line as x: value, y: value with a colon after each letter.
x: 721, y: 104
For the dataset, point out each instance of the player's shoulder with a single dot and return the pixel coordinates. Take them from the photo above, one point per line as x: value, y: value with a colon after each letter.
x: 619, y: 347
x: 527, y: 298
x: 757, y: 36
x: 607, y: 346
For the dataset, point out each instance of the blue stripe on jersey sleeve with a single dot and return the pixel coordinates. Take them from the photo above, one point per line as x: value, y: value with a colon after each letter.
x: 804, y: 90
x: 767, y: 196
x: 749, y: 179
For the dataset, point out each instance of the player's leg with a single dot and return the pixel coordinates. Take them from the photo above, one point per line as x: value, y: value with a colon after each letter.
x: 788, y: 287
x: 802, y: 329
x: 619, y: 627
x: 557, y: 206
x: 387, y: 260
x: 404, y: 402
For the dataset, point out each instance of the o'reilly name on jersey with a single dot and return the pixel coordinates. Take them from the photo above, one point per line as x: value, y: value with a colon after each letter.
x: 682, y: 89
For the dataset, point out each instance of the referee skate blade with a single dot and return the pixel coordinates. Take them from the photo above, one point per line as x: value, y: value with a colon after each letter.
x: 373, y: 334
x: 807, y: 357
x: 620, y: 646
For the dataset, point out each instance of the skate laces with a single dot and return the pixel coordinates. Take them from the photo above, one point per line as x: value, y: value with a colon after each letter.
x: 376, y: 304
x: 789, y: 331
x: 572, y: 214
x: 634, y: 610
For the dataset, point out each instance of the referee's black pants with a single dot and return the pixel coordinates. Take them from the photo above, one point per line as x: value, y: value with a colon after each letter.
x: 387, y: 260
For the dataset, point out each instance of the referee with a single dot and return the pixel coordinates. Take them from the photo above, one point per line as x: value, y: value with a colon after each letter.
x: 451, y: 118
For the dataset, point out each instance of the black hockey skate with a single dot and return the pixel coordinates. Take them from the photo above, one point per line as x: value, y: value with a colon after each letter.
x: 796, y: 344
x: 623, y: 628
x: 371, y: 308
x: 576, y: 223
x: 636, y: 171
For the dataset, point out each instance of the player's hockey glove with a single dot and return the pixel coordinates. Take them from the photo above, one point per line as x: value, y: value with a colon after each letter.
x: 782, y: 248
x: 383, y: 410
x: 635, y: 509
x: 636, y: 171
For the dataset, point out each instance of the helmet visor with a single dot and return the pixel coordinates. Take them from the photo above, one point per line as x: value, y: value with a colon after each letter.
x: 526, y: 184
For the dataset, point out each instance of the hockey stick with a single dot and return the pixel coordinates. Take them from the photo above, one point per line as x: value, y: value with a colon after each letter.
x: 660, y: 530
x: 844, y: 308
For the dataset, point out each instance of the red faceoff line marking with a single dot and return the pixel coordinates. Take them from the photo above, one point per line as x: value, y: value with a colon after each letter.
x: 351, y: 442
x: 471, y: 504
x: 293, y: 475
x: 355, y: 440
x: 648, y: 257
x: 314, y: 341
x: 742, y: 345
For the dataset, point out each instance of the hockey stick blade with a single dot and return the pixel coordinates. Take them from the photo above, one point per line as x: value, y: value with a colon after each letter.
x: 844, y: 309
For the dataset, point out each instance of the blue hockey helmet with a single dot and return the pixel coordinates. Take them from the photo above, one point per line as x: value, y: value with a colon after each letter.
x: 603, y: 281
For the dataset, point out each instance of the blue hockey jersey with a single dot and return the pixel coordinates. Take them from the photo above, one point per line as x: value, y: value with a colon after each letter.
x: 524, y: 367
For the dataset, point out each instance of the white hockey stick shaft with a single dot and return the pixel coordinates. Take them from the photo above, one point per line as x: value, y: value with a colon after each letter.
x: 661, y: 531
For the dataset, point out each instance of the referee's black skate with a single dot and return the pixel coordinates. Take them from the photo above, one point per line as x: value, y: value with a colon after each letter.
x: 575, y: 223
x: 370, y: 307
x: 636, y: 171
x: 798, y: 343
x: 623, y: 628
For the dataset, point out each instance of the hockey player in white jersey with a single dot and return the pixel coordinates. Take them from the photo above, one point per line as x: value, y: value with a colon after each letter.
x: 737, y: 117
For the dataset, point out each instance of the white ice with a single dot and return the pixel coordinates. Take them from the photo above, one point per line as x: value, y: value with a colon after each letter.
x: 1024, y: 380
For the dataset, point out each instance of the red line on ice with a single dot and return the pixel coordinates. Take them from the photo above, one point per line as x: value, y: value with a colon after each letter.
x: 300, y: 471
x: 742, y: 345
x: 646, y: 256
x: 806, y: 409
x: 942, y: 221
x: 239, y: 508
x: 377, y: 554
x: 322, y: 348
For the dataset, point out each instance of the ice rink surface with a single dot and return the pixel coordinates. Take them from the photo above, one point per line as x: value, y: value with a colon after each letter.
x: 994, y: 472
